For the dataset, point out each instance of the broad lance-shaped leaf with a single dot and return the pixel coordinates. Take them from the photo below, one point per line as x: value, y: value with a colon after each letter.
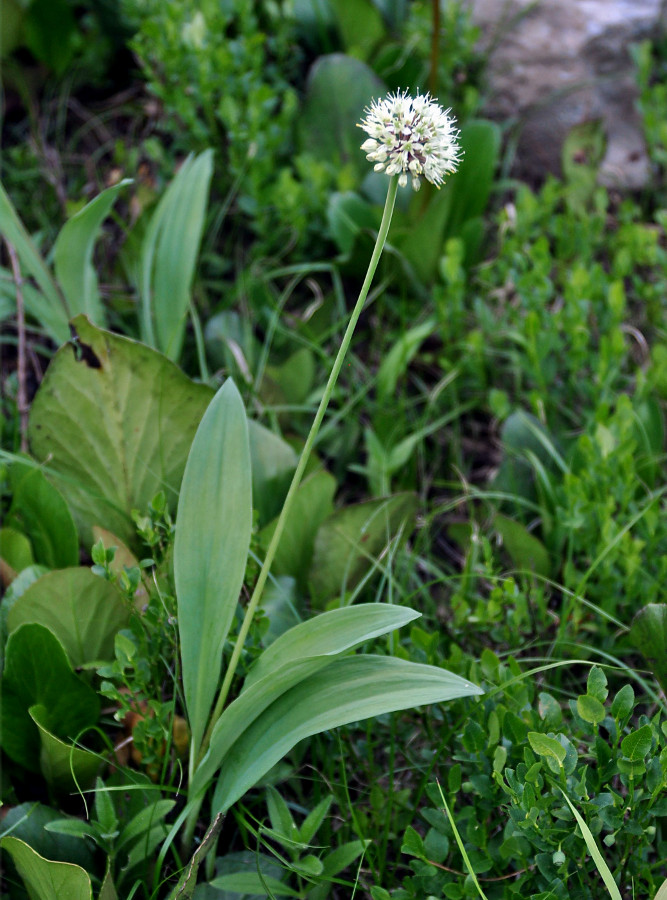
x: 169, y: 255
x: 350, y: 689
x: 73, y: 254
x: 330, y: 634
x: 213, y: 527
x: 293, y: 657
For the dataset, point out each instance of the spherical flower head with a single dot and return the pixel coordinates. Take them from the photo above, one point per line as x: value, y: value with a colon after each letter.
x: 411, y: 136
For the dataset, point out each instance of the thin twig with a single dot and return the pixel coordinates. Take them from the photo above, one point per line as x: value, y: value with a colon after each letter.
x: 516, y: 874
x: 186, y: 885
x: 22, y: 393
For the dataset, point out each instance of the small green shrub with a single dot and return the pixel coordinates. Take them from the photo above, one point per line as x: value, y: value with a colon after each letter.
x: 504, y: 778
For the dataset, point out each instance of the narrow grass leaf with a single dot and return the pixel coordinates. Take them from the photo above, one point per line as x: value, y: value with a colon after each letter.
x: 342, y: 857
x: 52, y: 312
x: 600, y: 864
x: 351, y: 688
x: 213, y: 526
x: 459, y: 842
x: 144, y: 820
x: 73, y: 254
x: 396, y: 362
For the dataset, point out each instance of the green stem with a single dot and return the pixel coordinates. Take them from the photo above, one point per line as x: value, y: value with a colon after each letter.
x: 435, y: 48
x: 303, y: 461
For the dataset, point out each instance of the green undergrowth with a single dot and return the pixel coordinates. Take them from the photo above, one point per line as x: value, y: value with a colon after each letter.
x: 481, y: 521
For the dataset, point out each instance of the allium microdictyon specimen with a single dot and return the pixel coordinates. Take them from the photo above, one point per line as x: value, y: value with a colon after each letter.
x: 411, y: 136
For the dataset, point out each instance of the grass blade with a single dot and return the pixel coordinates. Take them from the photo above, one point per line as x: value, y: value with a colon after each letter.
x: 53, y: 315
x: 600, y: 864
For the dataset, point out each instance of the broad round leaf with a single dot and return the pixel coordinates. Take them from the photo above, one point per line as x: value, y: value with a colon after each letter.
x: 29, y: 822
x: 45, y: 879
x: 84, y: 611
x: 338, y: 89
x: 37, y: 672
x: 313, y: 502
x: 649, y: 634
x: 348, y: 541
x: 114, y: 421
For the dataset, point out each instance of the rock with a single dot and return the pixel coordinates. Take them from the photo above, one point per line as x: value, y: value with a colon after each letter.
x: 554, y: 64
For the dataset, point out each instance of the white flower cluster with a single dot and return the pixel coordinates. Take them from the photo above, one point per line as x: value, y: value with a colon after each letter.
x: 411, y: 136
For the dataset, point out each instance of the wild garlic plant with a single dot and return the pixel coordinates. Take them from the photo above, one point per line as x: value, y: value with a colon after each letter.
x: 307, y: 680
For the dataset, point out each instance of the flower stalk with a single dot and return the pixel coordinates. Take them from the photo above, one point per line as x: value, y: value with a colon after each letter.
x: 408, y: 138
x: 303, y: 462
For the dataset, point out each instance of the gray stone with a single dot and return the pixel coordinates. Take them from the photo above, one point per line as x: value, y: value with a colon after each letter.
x: 554, y: 64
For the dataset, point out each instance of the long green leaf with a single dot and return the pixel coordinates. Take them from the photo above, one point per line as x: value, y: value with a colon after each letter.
x: 213, y: 526
x: 51, y: 316
x: 594, y: 851
x: 45, y: 879
x: 330, y: 634
x: 349, y: 689
x: 169, y: 255
x: 396, y: 362
x: 52, y: 312
x: 73, y: 253
x: 293, y: 657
